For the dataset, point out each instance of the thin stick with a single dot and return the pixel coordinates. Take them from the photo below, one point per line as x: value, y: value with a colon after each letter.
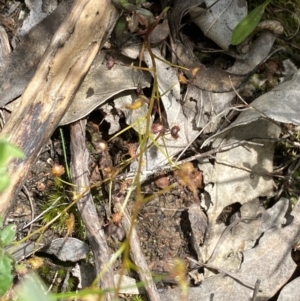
x: 256, y: 289
x: 198, y: 156
x: 31, y: 206
x: 65, y: 153
x: 86, y: 206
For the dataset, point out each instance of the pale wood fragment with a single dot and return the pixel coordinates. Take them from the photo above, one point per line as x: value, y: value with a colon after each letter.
x: 86, y: 206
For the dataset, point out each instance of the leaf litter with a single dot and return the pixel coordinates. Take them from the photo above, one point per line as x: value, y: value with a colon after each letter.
x: 255, y: 245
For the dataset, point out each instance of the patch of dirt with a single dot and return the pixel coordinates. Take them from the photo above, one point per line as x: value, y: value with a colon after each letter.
x: 164, y: 229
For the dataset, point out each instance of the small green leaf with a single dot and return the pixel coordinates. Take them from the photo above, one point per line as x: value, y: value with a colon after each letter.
x: 4, y: 181
x: 120, y: 26
x: 6, y: 277
x: 8, y: 150
x: 145, y: 12
x: 124, y: 4
x: 248, y: 24
x: 7, y: 234
x: 32, y: 289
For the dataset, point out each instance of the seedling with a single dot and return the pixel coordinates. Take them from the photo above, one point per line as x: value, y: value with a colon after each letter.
x: 247, y: 25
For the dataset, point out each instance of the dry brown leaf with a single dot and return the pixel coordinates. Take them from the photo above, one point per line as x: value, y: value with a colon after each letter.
x: 190, y: 177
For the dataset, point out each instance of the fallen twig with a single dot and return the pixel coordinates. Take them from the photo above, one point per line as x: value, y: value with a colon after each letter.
x: 86, y: 207
x: 195, y: 157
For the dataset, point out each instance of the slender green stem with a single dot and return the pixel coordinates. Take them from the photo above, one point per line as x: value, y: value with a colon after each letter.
x: 65, y: 153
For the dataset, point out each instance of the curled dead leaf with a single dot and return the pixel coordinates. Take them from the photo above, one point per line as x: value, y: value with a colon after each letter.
x: 187, y: 175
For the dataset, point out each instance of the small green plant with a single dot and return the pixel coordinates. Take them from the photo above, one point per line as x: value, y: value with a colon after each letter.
x: 7, y: 235
x: 56, y: 202
x: 33, y: 289
x: 7, y: 151
x: 248, y: 24
x: 137, y: 298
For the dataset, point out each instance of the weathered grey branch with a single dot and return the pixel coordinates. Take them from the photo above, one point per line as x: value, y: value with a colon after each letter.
x: 86, y: 207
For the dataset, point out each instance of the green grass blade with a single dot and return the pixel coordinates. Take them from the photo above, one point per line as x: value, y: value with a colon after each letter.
x: 247, y: 25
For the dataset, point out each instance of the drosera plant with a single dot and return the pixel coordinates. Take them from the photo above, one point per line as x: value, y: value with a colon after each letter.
x: 60, y: 197
x: 135, y: 188
x: 57, y: 201
x: 66, y: 199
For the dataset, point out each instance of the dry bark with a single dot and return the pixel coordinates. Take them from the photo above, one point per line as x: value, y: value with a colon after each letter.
x: 86, y: 206
x: 52, y: 88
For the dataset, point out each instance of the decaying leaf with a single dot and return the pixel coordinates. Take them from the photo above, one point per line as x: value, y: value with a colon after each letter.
x: 270, y: 262
x: 128, y: 284
x: 239, y: 175
x: 218, y: 22
x: 20, y: 66
x: 291, y: 290
x: 85, y: 273
x: 38, y: 11
x: 24, y: 250
x: 177, y: 12
x: 239, y: 236
x: 100, y: 84
x: 187, y: 175
x: 280, y: 104
x: 160, y: 32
